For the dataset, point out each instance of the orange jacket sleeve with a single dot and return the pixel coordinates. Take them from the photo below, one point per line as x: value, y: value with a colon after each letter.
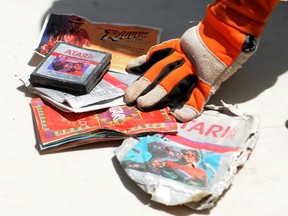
x: 228, y: 22
x: 248, y: 16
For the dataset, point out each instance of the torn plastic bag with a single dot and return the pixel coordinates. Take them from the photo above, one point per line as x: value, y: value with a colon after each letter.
x: 198, y: 164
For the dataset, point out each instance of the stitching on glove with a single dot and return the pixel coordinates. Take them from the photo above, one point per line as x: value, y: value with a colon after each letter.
x: 208, y: 66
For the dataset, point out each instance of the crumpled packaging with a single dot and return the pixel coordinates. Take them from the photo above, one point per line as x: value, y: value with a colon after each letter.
x: 197, y: 165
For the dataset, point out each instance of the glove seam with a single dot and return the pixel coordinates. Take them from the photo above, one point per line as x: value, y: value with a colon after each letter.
x: 201, y: 56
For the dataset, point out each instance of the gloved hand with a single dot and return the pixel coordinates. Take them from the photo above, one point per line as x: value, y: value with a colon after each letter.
x: 183, y: 73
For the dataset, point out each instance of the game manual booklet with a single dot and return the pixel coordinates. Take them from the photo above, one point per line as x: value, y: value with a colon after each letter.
x: 195, y: 166
x: 71, y: 69
x: 124, y: 41
x: 57, y: 130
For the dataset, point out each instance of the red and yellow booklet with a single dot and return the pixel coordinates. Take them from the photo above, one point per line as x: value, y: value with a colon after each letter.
x: 57, y: 130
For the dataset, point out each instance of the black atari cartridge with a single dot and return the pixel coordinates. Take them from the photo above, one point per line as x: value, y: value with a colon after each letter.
x: 71, y: 69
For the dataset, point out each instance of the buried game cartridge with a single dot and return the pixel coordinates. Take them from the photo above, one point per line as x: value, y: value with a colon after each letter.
x: 71, y: 69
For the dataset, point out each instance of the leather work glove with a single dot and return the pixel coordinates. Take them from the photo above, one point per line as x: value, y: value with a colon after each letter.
x: 183, y: 73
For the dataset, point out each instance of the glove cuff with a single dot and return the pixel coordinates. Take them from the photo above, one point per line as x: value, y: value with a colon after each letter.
x: 216, y: 50
x: 208, y: 65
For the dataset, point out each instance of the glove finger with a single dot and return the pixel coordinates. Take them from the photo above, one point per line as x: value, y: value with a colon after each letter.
x: 135, y: 89
x: 141, y: 64
x: 194, y: 106
x: 138, y: 66
x: 135, y: 63
x: 159, y: 98
x: 169, y: 44
x: 173, y: 90
x: 151, y: 78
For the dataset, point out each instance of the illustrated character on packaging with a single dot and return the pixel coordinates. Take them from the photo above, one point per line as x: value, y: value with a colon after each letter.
x: 74, y: 35
x: 157, y: 151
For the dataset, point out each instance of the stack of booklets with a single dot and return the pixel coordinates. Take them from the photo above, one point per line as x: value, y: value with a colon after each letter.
x: 195, y: 166
x: 57, y: 130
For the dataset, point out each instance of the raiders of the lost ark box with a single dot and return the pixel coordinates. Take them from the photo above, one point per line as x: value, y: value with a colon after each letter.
x: 71, y: 69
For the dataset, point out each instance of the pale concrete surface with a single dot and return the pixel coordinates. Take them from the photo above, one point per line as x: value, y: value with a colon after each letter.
x: 89, y: 181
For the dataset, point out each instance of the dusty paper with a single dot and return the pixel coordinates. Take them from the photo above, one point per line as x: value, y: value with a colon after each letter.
x: 108, y: 92
x: 125, y: 42
x: 195, y: 166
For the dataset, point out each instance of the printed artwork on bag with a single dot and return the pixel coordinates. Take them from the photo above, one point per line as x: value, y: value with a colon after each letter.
x: 196, y: 165
x: 165, y: 157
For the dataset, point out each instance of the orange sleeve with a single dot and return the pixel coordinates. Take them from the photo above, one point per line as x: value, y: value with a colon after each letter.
x: 248, y: 16
x: 222, y: 39
x: 227, y: 22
